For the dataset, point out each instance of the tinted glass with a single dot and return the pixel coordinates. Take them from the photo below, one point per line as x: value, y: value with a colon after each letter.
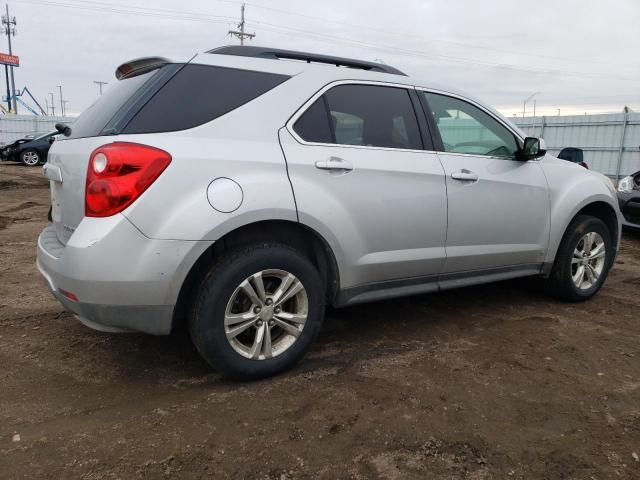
x: 374, y: 116
x: 313, y: 125
x: 91, y: 122
x: 465, y: 128
x: 198, y: 94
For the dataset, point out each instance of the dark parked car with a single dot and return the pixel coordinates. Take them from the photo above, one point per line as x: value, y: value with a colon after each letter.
x: 30, y: 151
x: 573, y: 154
x: 629, y: 199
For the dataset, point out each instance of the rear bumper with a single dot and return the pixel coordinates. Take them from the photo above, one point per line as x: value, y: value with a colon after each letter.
x: 123, y: 280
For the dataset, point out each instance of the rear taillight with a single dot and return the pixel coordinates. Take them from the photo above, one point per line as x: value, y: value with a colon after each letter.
x: 118, y: 173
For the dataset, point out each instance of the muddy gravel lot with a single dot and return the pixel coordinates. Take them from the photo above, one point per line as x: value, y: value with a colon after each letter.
x: 496, y: 381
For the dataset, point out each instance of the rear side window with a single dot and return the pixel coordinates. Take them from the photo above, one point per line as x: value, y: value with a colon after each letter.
x: 365, y: 115
x: 198, y: 94
x: 313, y: 125
x: 94, y: 119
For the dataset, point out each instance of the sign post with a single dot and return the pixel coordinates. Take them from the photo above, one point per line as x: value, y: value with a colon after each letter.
x: 9, y: 60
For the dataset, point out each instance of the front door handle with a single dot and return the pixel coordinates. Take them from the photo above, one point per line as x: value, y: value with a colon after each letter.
x: 465, y: 176
x: 335, y: 164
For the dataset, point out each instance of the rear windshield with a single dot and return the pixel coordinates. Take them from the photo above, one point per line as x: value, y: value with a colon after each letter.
x: 174, y: 97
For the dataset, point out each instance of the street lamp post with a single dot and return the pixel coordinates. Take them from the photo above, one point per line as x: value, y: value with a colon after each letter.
x: 53, y: 105
x: 61, y: 101
x: 524, y: 104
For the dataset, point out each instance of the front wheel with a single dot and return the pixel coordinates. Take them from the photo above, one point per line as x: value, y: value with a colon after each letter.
x: 583, y: 260
x: 257, y: 311
x: 30, y: 158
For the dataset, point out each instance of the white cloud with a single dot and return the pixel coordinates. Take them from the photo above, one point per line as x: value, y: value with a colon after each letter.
x: 582, y: 55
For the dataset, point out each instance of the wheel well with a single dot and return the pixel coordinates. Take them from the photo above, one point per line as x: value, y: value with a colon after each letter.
x: 607, y: 214
x: 296, y: 235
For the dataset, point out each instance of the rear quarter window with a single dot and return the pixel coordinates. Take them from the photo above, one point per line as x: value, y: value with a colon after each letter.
x: 198, y: 94
x: 94, y: 119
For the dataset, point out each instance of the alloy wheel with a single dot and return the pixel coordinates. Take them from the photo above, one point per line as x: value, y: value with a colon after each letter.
x: 30, y: 158
x: 266, y: 314
x: 587, y: 263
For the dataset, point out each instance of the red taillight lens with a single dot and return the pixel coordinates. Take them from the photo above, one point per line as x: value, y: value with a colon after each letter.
x: 118, y: 173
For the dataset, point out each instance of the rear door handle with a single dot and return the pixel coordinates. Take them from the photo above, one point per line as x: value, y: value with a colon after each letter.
x: 465, y: 176
x: 335, y: 164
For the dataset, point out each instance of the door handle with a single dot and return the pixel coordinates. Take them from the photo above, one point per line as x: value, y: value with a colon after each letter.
x: 334, y: 163
x: 465, y: 176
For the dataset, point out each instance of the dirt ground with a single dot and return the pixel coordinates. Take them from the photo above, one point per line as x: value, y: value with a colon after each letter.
x: 489, y: 382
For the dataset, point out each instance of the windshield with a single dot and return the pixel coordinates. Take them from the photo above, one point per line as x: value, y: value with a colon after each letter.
x: 44, y: 135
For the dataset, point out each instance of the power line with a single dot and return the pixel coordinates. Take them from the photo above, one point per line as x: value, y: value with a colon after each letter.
x: 338, y: 22
x: 412, y: 53
x: 279, y: 29
x: 421, y: 37
x: 138, y: 11
x: 240, y: 33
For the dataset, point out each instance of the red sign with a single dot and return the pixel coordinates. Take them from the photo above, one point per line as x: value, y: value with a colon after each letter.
x: 6, y: 59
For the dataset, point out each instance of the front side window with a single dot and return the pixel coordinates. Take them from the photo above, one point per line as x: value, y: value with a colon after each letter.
x: 365, y: 115
x: 464, y: 128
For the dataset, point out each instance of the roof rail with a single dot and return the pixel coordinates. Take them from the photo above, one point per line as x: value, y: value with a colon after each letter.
x: 276, y: 54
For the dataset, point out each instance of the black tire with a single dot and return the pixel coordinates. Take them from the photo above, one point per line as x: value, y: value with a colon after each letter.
x: 27, y: 158
x: 560, y: 283
x: 206, y: 322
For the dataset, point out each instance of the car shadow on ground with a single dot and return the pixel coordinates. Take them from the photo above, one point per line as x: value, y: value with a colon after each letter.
x: 358, y: 332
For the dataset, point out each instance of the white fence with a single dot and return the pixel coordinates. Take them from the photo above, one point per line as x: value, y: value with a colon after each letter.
x: 13, y: 127
x: 611, y: 142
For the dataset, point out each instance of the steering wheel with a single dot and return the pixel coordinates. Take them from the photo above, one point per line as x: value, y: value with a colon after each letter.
x: 501, y: 151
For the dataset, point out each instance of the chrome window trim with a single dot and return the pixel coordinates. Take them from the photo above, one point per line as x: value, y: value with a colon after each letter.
x: 305, y: 106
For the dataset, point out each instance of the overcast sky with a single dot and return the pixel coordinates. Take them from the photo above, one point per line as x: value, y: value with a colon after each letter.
x: 581, y: 55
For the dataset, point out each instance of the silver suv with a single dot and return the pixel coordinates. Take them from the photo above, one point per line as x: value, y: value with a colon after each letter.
x: 241, y: 191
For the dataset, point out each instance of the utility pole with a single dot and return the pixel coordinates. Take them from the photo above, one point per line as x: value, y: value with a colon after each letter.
x: 64, y: 104
x: 46, y: 103
x: 9, y: 28
x: 240, y: 33
x: 61, y: 101
x: 100, y: 84
x: 53, y: 106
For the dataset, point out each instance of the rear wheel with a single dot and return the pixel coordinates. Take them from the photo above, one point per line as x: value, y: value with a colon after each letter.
x: 30, y: 158
x: 583, y: 260
x: 257, y: 311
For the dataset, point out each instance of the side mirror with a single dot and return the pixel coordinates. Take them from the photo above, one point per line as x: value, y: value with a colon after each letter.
x: 63, y: 129
x: 533, y: 148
